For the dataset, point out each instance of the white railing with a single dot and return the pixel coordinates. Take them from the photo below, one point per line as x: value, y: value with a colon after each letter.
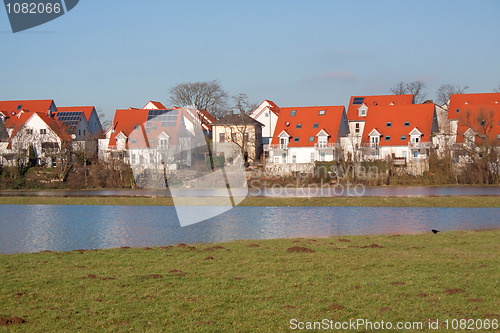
x: 420, y: 144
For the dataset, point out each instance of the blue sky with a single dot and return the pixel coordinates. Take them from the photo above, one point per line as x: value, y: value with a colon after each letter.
x: 120, y: 53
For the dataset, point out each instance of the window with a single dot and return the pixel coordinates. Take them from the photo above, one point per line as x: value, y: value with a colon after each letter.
x: 362, y: 112
x: 388, y: 124
x: 84, y: 132
x: 294, y: 158
x: 356, y: 128
x: 133, y: 141
x: 311, y: 139
x: 19, y: 107
x: 312, y: 157
x: 245, y: 136
x: 163, y: 143
x: 407, y: 124
x: 322, y: 156
x: 403, y: 137
x: 457, y: 110
x: 293, y: 112
x: 29, y: 131
x: 79, y: 132
x: 322, y: 112
x: 316, y: 125
x: 498, y: 137
x: 266, y: 114
x: 133, y: 158
x: 358, y: 100
x: 298, y: 126
x: 221, y: 137
x: 43, y: 131
x: 387, y: 138
x: 296, y: 139
x: 233, y: 137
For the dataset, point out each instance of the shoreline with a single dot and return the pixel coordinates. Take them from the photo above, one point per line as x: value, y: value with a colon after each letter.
x: 261, y: 201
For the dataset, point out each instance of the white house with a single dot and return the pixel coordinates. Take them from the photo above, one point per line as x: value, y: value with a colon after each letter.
x: 267, y: 114
x: 308, y: 134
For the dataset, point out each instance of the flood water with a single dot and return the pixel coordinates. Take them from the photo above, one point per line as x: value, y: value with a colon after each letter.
x: 33, y: 228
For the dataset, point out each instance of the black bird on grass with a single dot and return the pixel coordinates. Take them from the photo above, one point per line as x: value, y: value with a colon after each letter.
x: 434, y: 231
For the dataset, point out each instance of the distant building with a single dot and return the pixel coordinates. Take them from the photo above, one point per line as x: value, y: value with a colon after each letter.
x: 399, y: 132
x: 357, y: 112
x: 242, y: 130
x: 308, y: 134
x: 267, y: 114
x: 38, y: 123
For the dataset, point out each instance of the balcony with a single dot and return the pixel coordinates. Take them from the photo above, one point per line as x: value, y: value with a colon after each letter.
x: 370, y: 149
x: 279, y: 146
x: 419, y: 145
x: 325, y: 146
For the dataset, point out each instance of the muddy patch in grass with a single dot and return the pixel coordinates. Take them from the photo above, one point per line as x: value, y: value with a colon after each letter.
x: 454, y: 291
x: 335, y: 306
x: 397, y: 283
x: 372, y: 246
x: 209, y: 258
x: 299, y: 249
x: 253, y: 245
x: 4, y: 321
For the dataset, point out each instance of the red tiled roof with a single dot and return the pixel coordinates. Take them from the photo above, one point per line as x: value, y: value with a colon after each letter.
x: 471, y: 116
x: 158, y: 105
x: 87, y: 110
x: 458, y: 101
x: 126, y: 121
x: 419, y: 116
x: 12, y: 107
x: 371, y: 101
x: 307, y: 117
x: 273, y: 107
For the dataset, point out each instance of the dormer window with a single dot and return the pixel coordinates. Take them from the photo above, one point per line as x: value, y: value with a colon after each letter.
x: 311, y: 139
x: 316, y: 125
x: 322, y: 112
x: 407, y: 124
x: 387, y: 138
x: 293, y: 112
x: 403, y: 137
x: 362, y: 110
x: 388, y: 124
x: 296, y: 139
x: 299, y: 126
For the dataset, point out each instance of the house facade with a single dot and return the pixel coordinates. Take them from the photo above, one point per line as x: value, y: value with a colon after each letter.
x: 308, y: 134
x: 267, y: 114
x: 357, y: 112
x: 402, y: 133
x: 241, y: 130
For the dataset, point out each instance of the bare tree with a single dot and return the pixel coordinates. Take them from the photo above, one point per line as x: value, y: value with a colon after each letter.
x: 105, y: 123
x: 482, y: 163
x: 242, y: 105
x: 414, y: 87
x: 400, y: 88
x: 208, y: 95
x: 446, y: 90
x: 497, y: 89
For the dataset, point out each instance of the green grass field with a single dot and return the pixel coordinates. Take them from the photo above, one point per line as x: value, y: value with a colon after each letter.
x: 256, y: 286
x: 442, y: 201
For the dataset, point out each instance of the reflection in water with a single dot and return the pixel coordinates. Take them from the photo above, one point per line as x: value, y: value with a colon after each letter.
x: 32, y: 228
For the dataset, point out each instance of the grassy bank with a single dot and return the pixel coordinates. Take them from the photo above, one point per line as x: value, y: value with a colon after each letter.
x: 455, y: 201
x: 255, y: 286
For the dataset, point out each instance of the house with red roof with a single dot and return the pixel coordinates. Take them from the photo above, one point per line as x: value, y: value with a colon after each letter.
x: 357, y: 112
x: 39, y: 123
x: 151, y: 137
x: 267, y: 114
x: 401, y: 132
x: 308, y: 134
x: 91, y: 117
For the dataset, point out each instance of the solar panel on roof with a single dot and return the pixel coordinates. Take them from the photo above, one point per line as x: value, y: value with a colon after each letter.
x: 358, y: 100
